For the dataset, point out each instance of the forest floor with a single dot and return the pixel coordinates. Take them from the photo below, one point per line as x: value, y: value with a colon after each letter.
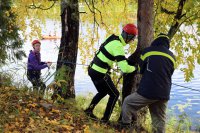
x: 23, y: 111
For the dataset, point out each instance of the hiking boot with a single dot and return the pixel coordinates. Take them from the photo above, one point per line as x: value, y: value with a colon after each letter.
x: 104, y: 121
x: 90, y: 114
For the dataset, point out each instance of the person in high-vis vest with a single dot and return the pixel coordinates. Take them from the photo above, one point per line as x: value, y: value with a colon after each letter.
x: 112, y: 50
x: 157, y: 64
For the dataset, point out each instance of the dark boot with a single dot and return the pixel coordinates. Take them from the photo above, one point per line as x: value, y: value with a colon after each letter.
x: 89, y: 112
x: 104, y: 120
x: 125, y: 126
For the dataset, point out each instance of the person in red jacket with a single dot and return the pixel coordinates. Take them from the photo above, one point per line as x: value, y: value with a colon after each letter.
x: 34, y: 67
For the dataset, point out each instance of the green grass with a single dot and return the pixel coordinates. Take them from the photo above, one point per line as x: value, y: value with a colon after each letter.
x: 174, y: 124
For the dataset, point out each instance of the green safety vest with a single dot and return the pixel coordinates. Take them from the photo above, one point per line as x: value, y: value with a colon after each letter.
x: 112, y: 50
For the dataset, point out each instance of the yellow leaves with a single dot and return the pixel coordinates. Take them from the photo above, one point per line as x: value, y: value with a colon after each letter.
x: 55, y: 111
x: 9, y: 88
x: 86, y: 129
x: 8, y: 127
x: 52, y: 122
x: 7, y: 13
x: 34, y: 17
x: 68, y: 116
x: 31, y: 121
x: 21, y: 119
x: 32, y: 117
x: 58, y: 83
x: 96, y: 125
x: 26, y: 110
x: 33, y: 105
x: 11, y: 116
x: 61, y: 81
x: 67, y: 127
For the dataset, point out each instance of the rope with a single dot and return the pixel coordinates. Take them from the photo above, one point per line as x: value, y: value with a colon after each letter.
x: 68, y: 62
x: 186, y: 87
x: 116, y: 70
x: 50, y: 77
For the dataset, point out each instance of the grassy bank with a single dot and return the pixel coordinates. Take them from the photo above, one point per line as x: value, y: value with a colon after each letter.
x: 21, y: 111
x: 175, y: 123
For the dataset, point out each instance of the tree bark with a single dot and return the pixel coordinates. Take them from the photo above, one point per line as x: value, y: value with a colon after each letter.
x: 145, y: 27
x: 69, y: 46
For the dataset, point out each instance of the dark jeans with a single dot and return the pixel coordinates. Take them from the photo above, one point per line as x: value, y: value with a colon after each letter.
x: 104, y: 86
x: 34, y: 78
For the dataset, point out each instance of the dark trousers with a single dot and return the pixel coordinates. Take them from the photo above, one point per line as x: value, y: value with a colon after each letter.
x: 104, y: 86
x: 34, y: 78
x: 157, y: 108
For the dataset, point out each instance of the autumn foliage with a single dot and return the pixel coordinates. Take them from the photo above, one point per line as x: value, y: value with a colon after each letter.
x: 23, y: 111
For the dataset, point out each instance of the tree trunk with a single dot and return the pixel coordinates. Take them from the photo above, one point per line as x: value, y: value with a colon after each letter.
x: 145, y: 26
x: 69, y: 46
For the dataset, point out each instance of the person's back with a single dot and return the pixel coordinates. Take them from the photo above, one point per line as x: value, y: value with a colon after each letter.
x: 158, y: 67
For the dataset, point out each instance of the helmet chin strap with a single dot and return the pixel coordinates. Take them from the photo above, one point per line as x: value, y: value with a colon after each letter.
x: 127, y: 37
x: 128, y: 40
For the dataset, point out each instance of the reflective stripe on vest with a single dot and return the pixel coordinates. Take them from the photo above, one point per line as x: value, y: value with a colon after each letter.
x: 143, y: 57
x: 100, y: 65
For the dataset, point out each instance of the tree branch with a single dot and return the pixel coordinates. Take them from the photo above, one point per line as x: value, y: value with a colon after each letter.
x: 176, y: 22
x: 93, y: 11
x: 34, y: 6
x: 167, y: 11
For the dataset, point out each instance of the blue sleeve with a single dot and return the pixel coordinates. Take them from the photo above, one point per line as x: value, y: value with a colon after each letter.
x: 33, y: 62
x: 42, y: 63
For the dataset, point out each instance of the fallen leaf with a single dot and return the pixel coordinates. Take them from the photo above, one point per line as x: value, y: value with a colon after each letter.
x: 54, y: 122
x: 17, y: 123
x: 31, y: 120
x: 68, y: 116
x: 86, y: 130
x: 21, y: 119
x: 33, y: 105
x: 26, y: 110
x: 55, y: 111
x: 67, y: 127
x: 11, y: 116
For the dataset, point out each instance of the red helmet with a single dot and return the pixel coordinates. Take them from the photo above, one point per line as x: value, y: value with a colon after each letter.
x: 131, y: 29
x: 35, y: 41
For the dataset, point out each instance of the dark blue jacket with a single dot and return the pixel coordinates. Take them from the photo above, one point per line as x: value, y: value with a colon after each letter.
x: 156, y: 66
